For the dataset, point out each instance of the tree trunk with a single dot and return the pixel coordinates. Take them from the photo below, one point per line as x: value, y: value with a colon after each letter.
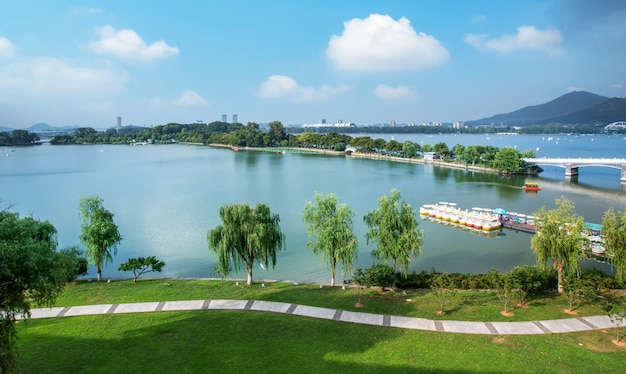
x: 393, y: 264
x: 332, y: 277
x: 99, y: 273
x: 249, y: 274
x: 559, y: 271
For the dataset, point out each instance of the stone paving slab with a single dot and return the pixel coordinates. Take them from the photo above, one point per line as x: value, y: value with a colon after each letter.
x: 183, y: 305
x: 465, y: 327
x: 313, y: 311
x: 516, y: 328
x: 412, y: 323
x: 45, y: 312
x: 88, y: 310
x: 565, y: 325
x: 228, y: 304
x: 364, y: 318
x: 270, y: 306
x: 601, y: 322
x: 136, y: 308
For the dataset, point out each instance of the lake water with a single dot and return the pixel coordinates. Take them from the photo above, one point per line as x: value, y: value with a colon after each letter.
x: 165, y: 198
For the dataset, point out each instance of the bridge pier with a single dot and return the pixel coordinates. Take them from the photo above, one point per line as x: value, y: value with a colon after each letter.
x: 571, y: 171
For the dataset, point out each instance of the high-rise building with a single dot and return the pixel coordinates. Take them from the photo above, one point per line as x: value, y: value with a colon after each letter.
x: 224, y: 118
x: 119, y: 122
x: 235, y: 120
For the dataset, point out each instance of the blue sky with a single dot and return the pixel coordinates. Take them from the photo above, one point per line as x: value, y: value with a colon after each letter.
x: 152, y: 62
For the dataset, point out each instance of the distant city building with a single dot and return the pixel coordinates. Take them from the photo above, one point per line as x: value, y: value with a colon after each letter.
x: 119, y: 122
x: 323, y: 121
x: 235, y: 120
x: 393, y: 123
x: 224, y: 118
x: 458, y: 125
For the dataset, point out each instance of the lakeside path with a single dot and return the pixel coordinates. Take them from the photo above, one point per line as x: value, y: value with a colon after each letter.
x: 463, y: 327
x: 371, y: 156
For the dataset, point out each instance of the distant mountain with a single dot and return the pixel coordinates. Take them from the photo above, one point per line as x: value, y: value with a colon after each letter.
x: 545, y: 113
x: 44, y: 127
x: 40, y: 127
x: 611, y: 110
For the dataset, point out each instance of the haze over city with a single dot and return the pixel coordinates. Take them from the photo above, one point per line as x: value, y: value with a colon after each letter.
x: 297, y: 62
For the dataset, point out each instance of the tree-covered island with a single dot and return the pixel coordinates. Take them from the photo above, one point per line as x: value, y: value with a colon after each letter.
x: 277, y: 139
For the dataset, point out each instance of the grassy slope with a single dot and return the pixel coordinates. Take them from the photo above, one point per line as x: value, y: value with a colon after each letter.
x: 237, y: 341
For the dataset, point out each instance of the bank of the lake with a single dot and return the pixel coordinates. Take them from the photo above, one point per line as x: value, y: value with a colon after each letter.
x: 370, y: 156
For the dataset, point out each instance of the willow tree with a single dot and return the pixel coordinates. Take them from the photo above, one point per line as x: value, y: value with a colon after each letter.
x: 246, y: 236
x: 558, y: 237
x: 99, y: 234
x: 614, y: 232
x: 393, y: 227
x: 329, y: 227
x: 32, y: 272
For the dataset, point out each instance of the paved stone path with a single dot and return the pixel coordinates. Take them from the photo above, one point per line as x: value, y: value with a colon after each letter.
x: 464, y: 327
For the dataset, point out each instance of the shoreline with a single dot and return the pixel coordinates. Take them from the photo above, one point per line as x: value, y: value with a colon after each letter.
x: 371, y: 156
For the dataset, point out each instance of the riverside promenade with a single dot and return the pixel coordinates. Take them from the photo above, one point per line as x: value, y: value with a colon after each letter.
x: 566, y: 325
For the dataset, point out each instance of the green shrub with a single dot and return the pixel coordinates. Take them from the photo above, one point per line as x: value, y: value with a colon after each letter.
x: 380, y: 275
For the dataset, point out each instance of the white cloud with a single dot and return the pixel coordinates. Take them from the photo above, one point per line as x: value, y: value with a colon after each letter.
x: 527, y: 38
x: 384, y: 92
x: 574, y: 89
x: 127, y: 44
x: 52, y: 77
x: 190, y: 98
x: 281, y: 86
x: 616, y: 85
x: 380, y: 43
x: 6, y: 48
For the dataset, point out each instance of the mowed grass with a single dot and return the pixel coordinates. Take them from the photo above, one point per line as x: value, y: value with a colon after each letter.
x: 465, y: 305
x: 212, y: 341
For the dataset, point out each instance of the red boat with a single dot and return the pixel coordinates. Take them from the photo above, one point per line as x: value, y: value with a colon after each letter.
x: 531, y: 186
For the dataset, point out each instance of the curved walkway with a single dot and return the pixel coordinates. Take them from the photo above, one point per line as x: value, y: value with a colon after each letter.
x: 464, y: 327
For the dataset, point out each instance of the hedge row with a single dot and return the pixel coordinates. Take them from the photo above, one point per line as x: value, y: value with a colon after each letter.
x: 545, y: 280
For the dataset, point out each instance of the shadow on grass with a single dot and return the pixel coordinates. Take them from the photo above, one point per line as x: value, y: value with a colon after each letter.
x: 213, y: 341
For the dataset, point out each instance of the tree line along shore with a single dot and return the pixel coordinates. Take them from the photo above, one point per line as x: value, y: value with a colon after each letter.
x: 237, y: 136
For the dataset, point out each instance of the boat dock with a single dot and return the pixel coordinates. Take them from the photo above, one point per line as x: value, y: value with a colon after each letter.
x: 525, y: 227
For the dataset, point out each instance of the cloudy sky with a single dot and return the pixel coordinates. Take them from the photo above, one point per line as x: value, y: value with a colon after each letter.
x: 86, y: 62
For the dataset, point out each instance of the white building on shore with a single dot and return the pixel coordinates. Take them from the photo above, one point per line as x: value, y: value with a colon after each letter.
x: 340, y: 123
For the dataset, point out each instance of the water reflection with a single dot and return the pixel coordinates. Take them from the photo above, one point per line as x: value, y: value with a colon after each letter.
x: 441, y: 173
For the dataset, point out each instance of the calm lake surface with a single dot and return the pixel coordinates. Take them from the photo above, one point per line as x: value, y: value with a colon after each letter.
x: 166, y: 197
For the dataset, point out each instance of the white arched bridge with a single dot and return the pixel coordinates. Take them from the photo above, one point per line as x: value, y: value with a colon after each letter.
x: 615, y: 126
x: 571, y: 165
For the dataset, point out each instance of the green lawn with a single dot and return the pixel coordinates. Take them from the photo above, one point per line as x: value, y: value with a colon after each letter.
x: 243, y: 341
